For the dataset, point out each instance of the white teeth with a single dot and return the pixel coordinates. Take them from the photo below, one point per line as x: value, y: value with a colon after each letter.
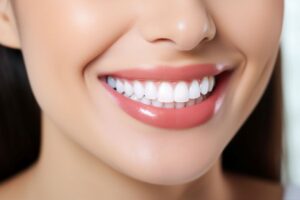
x: 146, y: 101
x: 133, y: 97
x: 194, y: 90
x: 211, y: 83
x: 181, y: 92
x: 179, y: 105
x: 138, y: 89
x: 204, y: 86
x: 111, y: 81
x: 128, y: 89
x: 165, y: 92
x: 169, y: 105
x: 150, y: 90
x: 119, y: 86
x: 157, y: 103
x: 191, y: 102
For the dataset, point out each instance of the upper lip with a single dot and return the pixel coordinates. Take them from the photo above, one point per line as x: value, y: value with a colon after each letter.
x: 171, y: 73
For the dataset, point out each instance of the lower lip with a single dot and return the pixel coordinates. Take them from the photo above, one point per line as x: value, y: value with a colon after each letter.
x: 169, y: 118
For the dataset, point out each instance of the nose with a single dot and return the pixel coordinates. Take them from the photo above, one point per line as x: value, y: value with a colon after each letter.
x: 186, y: 24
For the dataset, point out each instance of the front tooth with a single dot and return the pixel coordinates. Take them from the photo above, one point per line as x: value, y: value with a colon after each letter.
x: 150, y: 90
x: 119, y: 86
x: 181, y: 92
x: 165, y: 92
x: 111, y: 81
x: 211, y: 83
x: 138, y: 89
x: 157, y: 103
x: 204, y: 85
x: 128, y: 89
x: 194, y: 91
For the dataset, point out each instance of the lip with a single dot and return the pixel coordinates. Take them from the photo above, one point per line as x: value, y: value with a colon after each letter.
x: 167, y: 73
x: 169, y: 118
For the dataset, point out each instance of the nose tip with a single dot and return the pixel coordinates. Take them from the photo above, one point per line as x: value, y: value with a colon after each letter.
x: 185, y: 28
x: 187, y: 35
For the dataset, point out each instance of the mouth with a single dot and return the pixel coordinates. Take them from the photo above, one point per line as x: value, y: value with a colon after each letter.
x: 169, y: 97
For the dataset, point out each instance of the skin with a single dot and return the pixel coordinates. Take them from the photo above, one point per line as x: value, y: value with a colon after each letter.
x: 84, y: 155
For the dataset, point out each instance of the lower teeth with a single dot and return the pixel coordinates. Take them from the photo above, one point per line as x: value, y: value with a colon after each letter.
x: 171, y: 105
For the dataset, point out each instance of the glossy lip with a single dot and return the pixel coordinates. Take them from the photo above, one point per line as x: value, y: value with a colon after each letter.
x: 183, y: 118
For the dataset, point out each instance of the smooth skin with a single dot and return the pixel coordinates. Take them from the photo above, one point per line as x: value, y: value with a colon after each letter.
x: 90, y: 148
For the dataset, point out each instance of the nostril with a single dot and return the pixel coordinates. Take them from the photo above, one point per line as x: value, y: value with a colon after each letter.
x: 163, y: 40
x: 205, y: 40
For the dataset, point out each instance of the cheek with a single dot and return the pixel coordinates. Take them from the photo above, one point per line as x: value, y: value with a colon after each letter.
x: 59, y: 38
x: 254, y: 27
x: 72, y: 32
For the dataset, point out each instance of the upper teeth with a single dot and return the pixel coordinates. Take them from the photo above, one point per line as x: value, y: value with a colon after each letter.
x: 164, y: 92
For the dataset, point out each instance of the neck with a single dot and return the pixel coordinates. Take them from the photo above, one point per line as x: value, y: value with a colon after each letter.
x: 65, y: 170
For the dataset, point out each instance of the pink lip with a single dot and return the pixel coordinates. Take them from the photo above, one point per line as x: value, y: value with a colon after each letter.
x: 187, y: 117
x: 166, y: 73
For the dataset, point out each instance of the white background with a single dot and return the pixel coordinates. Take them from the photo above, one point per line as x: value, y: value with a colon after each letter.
x: 291, y: 87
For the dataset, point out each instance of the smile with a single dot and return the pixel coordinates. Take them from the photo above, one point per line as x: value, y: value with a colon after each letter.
x: 168, y: 97
x: 164, y: 94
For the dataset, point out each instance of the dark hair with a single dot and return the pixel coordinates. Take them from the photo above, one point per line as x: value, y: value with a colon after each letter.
x: 20, y: 126
x: 19, y: 115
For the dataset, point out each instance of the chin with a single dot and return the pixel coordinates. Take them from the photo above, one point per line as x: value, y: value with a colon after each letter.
x: 168, y: 170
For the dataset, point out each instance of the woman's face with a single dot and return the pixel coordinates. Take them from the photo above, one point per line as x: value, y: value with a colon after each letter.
x: 67, y: 45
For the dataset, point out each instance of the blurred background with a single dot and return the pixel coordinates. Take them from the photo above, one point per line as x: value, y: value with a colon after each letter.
x: 291, y: 90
